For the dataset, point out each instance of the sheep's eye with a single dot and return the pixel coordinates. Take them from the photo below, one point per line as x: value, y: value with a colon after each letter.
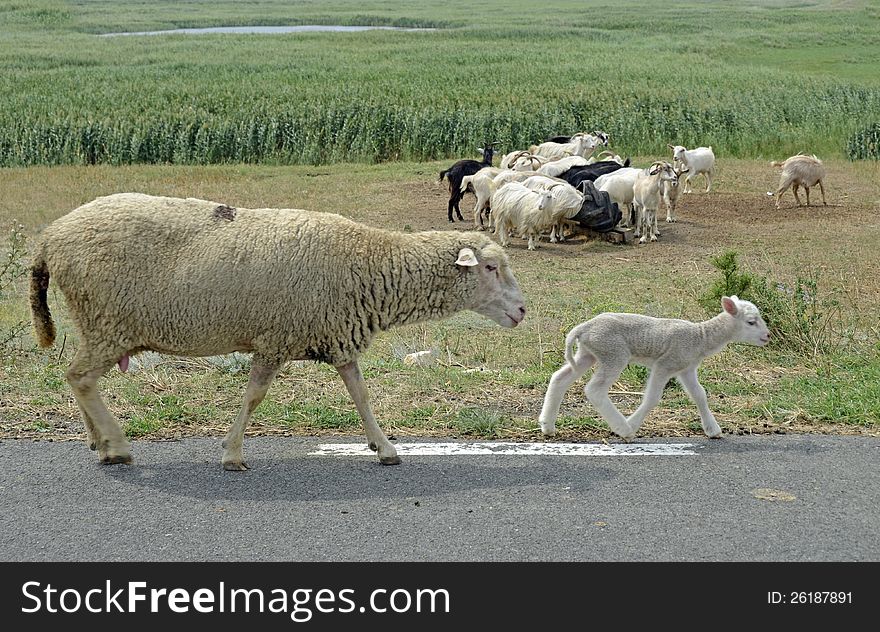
x: 490, y: 267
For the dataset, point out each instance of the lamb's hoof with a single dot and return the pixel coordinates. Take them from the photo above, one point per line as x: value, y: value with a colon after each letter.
x: 114, y: 459
x: 389, y: 460
x: 235, y: 466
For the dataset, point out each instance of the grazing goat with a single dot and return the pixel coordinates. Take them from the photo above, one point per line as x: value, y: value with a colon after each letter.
x: 516, y: 206
x: 567, y: 201
x: 800, y: 171
x: 698, y: 161
x: 668, y: 347
x: 647, y: 191
x: 579, y: 146
x: 459, y: 170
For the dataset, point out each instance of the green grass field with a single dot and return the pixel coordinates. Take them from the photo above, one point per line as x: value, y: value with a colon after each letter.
x: 382, y: 112
x: 762, y: 80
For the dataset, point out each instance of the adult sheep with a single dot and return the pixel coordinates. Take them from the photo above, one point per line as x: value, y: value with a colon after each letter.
x: 197, y: 278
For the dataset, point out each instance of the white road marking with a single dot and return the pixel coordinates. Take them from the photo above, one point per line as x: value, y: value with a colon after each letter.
x: 513, y: 449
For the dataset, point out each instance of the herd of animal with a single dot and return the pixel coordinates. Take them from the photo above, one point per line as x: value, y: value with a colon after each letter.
x: 192, y: 277
x: 541, y: 189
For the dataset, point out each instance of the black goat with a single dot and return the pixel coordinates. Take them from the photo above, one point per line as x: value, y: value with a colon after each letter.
x: 456, y: 173
x: 576, y: 175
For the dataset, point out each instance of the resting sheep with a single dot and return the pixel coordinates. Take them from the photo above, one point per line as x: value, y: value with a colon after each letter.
x: 698, y: 161
x: 797, y: 171
x: 515, y: 206
x: 668, y: 347
x: 196, y: 278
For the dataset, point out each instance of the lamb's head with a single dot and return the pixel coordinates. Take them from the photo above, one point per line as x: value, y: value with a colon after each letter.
x: 495, y: 292
x: 751, y: 328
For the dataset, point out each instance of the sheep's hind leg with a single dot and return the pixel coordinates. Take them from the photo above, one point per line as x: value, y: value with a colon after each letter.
x: 83, y: 374
x: 559, y: 384
x: 357, y: 388
x: 261, y: 377
x: 596, y: 391
x: 692, y: 386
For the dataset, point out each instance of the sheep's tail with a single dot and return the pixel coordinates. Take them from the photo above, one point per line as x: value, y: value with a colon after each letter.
x: 43, y: 325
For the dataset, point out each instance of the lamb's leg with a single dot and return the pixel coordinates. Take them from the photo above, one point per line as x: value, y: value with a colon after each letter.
x: 697, y: 393
x: 709, y: 181
x: 83, y: 374
x: 596, y: 391
x: 261, y: 377
x: 657, y: 379
x: 559, y: 384
x: 822, y: 190
x: 357, y: 388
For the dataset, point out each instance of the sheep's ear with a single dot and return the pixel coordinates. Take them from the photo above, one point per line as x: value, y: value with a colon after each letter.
x: 729, y: 305
x: 466, y: 257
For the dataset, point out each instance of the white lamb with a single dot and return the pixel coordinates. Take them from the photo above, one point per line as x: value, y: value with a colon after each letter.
x: 483, y: 184
x: 515, y: 206
x: 647, y: 192
x: 800, y: 170
x: 619, y: 186
x: 668, y: 347
x: 698, y: 161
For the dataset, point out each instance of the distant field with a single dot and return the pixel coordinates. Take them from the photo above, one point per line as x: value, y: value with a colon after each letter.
x: 760, y: 81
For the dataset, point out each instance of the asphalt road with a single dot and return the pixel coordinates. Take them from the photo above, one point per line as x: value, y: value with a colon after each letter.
x: 57, y: 503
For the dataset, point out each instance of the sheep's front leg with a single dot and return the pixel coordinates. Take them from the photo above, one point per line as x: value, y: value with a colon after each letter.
x: 357, y: 388
x: 261, y: 377
x: 657, y: 379
x: 697, y: 393
x: 559, y: 384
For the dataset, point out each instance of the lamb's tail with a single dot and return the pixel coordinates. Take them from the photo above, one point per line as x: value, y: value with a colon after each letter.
x: 571, y: 339
x: 43, y: 325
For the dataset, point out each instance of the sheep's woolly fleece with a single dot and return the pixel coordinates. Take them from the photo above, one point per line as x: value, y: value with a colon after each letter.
x: 194, y: 277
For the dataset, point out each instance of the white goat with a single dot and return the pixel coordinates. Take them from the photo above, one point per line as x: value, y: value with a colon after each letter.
x: 668, y: 347
x: 669, y: 191
x: 619, y: 186
x: 800, y: 171
x: 556, y: 167
x: 698, y: 161
x: 647, y: 192
x: 603, y: 156
x: 567, y: 201
x: 517, y: 206
x: 522, y: 160
x: 483, y: 185
x: 578, y: 146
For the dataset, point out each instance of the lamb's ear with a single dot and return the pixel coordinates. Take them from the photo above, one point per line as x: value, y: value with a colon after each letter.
x: 466, y: 257
x: 729, y: 305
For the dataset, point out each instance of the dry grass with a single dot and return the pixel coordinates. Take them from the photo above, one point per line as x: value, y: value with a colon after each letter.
x: 490, y: 382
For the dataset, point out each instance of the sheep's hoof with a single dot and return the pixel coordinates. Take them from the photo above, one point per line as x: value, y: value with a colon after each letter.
x: 114, y: 459
x: 235, y: 466
x: 389, y: 460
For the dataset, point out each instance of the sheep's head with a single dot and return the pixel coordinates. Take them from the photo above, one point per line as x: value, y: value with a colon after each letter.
x: 497, y: 294
x: 751, y: 328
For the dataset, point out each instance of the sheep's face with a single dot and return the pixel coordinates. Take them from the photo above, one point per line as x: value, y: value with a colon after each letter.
x: 751, y: 327
x: 497, y: 294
